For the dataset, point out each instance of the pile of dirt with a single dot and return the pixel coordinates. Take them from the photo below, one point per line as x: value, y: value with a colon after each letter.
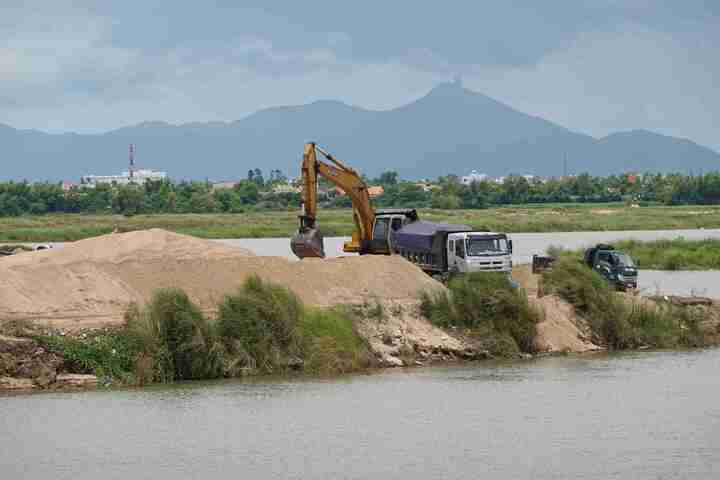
x: 90, y: 283
x: 561, y: 330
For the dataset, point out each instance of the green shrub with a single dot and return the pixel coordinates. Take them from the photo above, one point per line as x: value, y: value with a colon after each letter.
x: 107, y: 354
x: 617, y: 321
x: 177, y: 336
x: 330, y: 343
x: 484, y: 302
x: 258, y: 326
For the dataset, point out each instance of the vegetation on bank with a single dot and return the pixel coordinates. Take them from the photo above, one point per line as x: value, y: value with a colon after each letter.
x: 336, y: 222
x: 263, y: 328
x: 488, y: 308
x: 664, y: 254
x: 620, y: 321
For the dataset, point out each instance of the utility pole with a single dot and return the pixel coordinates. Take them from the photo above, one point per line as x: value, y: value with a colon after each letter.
x: 132, y: 160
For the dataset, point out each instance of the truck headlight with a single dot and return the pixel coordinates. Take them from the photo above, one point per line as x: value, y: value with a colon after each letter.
x: 620, y: 277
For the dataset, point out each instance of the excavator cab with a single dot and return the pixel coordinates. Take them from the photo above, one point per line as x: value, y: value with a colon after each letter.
x: 388, y: 221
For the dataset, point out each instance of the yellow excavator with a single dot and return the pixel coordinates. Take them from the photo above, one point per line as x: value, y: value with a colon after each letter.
x: 372, y: 228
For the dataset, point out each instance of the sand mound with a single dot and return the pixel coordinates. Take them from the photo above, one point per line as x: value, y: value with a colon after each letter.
x: 90, y: 283
x: 560, y: 330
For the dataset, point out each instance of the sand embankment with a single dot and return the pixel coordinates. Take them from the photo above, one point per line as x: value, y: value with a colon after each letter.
x: 91, y: 282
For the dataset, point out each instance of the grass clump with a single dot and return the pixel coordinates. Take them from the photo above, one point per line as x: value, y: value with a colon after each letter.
x: 258, y: 326
x: 266, y: 329
x: 107, y: 354
x: 330, y: 343
x: 262, y: 328
x: 174, y: 340
x: 619, y: 321
x: 488, y: 305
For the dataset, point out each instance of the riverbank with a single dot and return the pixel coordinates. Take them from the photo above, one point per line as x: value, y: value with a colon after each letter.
x: 152, y: 306
x: 338, y: 222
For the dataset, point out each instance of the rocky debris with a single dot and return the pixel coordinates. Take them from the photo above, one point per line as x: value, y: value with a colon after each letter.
x: 9, y: 383
x: 683, y: 301
x: 26, y: 365
x: 75, y: 380
x: 402, y: 336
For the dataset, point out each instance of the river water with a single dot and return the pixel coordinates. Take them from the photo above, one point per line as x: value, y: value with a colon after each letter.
x: 647, y: 415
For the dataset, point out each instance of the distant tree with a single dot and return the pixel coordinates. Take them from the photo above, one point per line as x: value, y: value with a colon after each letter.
x: 388, y: 178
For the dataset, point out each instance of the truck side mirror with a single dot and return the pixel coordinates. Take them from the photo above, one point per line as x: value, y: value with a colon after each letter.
x: 510, y: 246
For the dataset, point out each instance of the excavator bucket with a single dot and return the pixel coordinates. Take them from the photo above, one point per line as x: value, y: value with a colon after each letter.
x: 308, y: 242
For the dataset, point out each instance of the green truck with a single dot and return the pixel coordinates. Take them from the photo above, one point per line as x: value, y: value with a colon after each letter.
x: 616, y: 267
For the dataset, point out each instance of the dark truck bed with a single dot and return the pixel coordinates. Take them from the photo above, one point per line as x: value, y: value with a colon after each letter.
x: 424, y: 243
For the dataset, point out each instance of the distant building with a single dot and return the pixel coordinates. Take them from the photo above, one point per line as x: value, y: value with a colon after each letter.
x: 138, y: 177
x: 285, y: 188
x: 223, y: 185
x: 373, y: 191
x: 67, y: 186
x: 426, y: 186
x: 473, y: 177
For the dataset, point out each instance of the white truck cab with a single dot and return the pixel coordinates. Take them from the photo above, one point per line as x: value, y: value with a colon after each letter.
x: 479, y: 252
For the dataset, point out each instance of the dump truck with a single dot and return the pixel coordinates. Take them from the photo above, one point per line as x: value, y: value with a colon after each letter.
x: 441, y: 249
x: 616, y: 267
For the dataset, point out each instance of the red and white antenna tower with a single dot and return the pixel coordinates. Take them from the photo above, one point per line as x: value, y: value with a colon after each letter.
x: 132, y: 160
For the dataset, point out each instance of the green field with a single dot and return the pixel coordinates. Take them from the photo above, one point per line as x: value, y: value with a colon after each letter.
x: 526, y: 218
x: 667, y: 254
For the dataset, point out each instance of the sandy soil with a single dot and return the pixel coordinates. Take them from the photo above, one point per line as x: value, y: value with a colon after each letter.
x: 90, y: 283
x: 561, y: 330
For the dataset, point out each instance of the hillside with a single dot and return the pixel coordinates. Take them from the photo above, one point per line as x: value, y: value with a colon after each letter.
x: 450, y: 130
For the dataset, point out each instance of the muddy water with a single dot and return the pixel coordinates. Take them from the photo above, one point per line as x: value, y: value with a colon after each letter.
x: 639, y: 416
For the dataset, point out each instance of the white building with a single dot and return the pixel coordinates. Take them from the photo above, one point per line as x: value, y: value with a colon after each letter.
x: 138, y: 177
x: 473, y: 177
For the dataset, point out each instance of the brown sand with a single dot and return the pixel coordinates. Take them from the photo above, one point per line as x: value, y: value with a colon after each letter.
x: 91, y: 282
x: 561, y: 330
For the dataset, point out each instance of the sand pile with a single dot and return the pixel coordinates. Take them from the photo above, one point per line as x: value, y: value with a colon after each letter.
x: 561, y: 330
x: 90, y: 283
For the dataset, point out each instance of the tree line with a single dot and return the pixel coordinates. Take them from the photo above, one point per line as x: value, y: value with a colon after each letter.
x: 448, y: 192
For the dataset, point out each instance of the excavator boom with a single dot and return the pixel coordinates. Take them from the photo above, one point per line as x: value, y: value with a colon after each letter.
x: 308, y: 242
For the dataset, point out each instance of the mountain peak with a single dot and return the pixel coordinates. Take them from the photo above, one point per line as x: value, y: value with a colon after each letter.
x: 452, y: 88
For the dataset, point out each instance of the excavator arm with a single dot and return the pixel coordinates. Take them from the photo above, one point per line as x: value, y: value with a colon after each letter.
x: 308, y: 242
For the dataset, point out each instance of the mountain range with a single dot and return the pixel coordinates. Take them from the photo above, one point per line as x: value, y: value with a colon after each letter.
x: 449, y: 130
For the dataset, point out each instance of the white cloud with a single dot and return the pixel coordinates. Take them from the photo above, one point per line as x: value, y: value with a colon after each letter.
x: 62, y: 68
x: 609, y: 81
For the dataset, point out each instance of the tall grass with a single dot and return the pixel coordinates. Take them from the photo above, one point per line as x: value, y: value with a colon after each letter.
x: 330, y: 343
x: 174, y: 337
x: 675, y: 254
x: 485, y: 303
x: 619, y: 321
x: 258, y: 325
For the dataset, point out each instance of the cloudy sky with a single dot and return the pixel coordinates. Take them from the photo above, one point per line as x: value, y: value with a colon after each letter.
x: 595, y: 66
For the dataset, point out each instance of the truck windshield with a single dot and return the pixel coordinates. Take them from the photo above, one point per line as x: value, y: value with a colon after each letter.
x: 624, y: 260
x: 489, y: 245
